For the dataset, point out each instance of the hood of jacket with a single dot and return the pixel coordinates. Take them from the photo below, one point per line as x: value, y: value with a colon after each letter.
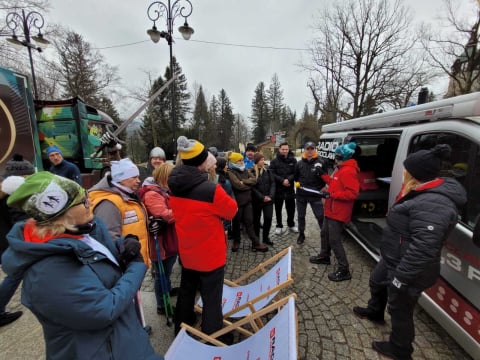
x: 350, y: 163
x: 105, y: 184
x: 450, y: 188
x: 184, y: 177
x: 21, y: 254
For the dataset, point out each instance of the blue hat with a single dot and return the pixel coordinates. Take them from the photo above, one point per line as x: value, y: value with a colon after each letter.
x: 346, y: 151
x: 52, y: 149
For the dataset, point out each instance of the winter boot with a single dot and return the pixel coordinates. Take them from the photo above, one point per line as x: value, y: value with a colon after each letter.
x: 369, y: 314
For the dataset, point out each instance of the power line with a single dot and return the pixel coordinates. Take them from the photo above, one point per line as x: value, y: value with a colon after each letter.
x: 207, y: 42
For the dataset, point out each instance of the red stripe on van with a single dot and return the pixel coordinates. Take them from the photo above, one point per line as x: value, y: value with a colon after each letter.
x: 457, y: 307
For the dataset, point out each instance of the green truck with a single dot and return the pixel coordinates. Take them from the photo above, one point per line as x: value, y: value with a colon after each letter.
x: 28, y: 127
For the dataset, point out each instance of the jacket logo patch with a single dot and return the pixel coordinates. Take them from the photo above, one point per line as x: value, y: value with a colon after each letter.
x: 430, y: 227
x: 130, y: 217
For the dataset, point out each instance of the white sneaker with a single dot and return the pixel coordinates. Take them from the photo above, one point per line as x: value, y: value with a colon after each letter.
x: 294, y: 229
x: 278, y: 231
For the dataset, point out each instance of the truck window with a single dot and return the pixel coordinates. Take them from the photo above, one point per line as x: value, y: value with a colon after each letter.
x: 464, y: 166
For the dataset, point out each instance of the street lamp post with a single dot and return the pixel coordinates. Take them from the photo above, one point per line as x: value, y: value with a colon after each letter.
x: 27, y: 22
x: 170, y: 11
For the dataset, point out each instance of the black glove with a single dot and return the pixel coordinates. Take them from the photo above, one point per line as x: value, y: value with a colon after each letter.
x: 156, y: 225
x: 319, y: 171
x: 324, y: 194
x: 130, y: 249
x: 397, y: 285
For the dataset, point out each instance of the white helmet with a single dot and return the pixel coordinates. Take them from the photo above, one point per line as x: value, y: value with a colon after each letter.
x: 157, y: 152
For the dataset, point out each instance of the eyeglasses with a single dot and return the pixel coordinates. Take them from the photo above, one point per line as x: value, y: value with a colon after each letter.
x: 85, y: 202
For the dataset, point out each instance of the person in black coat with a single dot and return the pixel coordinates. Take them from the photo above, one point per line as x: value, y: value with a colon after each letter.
x: 283, y: 169
x: 309, y: 183
x: 16, y: 167
x: 418, y: 223
x: 262, y: 200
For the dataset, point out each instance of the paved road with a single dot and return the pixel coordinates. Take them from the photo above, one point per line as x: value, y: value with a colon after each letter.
x: 327, y: 328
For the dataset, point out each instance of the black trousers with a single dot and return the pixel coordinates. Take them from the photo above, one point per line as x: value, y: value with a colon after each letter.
x: 400, y: 306
x: 331, y: 239
x: 267, y: 210
x: 210, y: 285
x: 289, y: 199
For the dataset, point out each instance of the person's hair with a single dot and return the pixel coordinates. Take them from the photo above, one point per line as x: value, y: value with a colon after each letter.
x: 409, y: 182
x: 55, y: 227
x: 161, y: 173
x: 212, y: 174
x: 283, y: 144
x: 258, y: 171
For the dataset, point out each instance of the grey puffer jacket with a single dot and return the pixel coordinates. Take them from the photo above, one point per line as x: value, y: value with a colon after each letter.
x: 417, y: 226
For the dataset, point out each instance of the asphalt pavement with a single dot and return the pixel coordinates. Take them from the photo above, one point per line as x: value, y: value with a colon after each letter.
x: 327, y: 328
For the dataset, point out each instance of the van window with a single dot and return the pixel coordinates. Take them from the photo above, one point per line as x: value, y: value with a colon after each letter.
x: 464, y: 166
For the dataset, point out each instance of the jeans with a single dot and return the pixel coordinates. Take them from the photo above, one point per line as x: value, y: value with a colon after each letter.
x: 317, y: 208
x: 168, y: 264
x: 289, y: 199
x: 210, y: 284
x: 244, y: 215
x: 7, y: 290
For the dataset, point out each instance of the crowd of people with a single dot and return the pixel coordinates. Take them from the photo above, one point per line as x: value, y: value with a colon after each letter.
x: 95, y: 246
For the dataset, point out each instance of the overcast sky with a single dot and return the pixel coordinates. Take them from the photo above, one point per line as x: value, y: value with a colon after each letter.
x: 237, y: 69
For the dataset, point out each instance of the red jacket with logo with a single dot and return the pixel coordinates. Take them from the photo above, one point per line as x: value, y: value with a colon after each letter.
x: 343, y: 186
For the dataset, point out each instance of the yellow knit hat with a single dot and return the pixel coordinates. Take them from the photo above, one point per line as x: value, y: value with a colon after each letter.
x: 192, y: 152
x: 235, y: 157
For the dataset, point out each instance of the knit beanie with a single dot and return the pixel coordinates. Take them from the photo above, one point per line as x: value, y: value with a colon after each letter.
x: 52, y: 149
x: 18, y: 166
x: 346, y: 151
x: 235, y: 157
x: 157, y: 152
x: 257, y: 157
x: 43, y: 196
x: 425, y: 165
x: 123, y: 169
x: 250, y: 147
x: 192, y: 152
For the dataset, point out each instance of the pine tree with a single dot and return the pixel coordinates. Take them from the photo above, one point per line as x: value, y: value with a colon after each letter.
x: 225, y: 121
x: 259, y: 115
x: 201, y: 121
x: 275, y: 103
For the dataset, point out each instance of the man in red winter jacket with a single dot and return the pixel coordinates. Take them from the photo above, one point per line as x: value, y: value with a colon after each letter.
x: 199, y: 207
x: 343, y: 188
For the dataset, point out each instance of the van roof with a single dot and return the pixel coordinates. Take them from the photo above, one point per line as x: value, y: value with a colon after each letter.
x: 463, y: 106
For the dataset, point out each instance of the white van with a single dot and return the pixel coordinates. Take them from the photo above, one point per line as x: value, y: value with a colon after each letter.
x: 384, y: 140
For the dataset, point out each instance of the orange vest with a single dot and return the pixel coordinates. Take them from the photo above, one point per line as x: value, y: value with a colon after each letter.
x: 134, y: 217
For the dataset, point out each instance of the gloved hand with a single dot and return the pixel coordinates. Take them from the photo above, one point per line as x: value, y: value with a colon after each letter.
x: 319, y: 171
x: 397, y: 285
x: 130, y: 249
x: 324, y: 194
x: 109, y: 140
x: 156, y: 225
x: 153, y: 227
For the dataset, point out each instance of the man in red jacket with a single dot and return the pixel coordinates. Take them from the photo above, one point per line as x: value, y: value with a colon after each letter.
x: 199, y: 207
x: 343, y: 188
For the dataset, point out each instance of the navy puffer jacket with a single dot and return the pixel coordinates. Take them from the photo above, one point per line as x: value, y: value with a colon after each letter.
x: 417, y: 226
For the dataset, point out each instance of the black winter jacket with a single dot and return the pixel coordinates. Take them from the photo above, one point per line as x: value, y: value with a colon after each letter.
x: 265, y: 186
x: 283, y: 168
x: 417, y: 226
x: 308, y: 175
